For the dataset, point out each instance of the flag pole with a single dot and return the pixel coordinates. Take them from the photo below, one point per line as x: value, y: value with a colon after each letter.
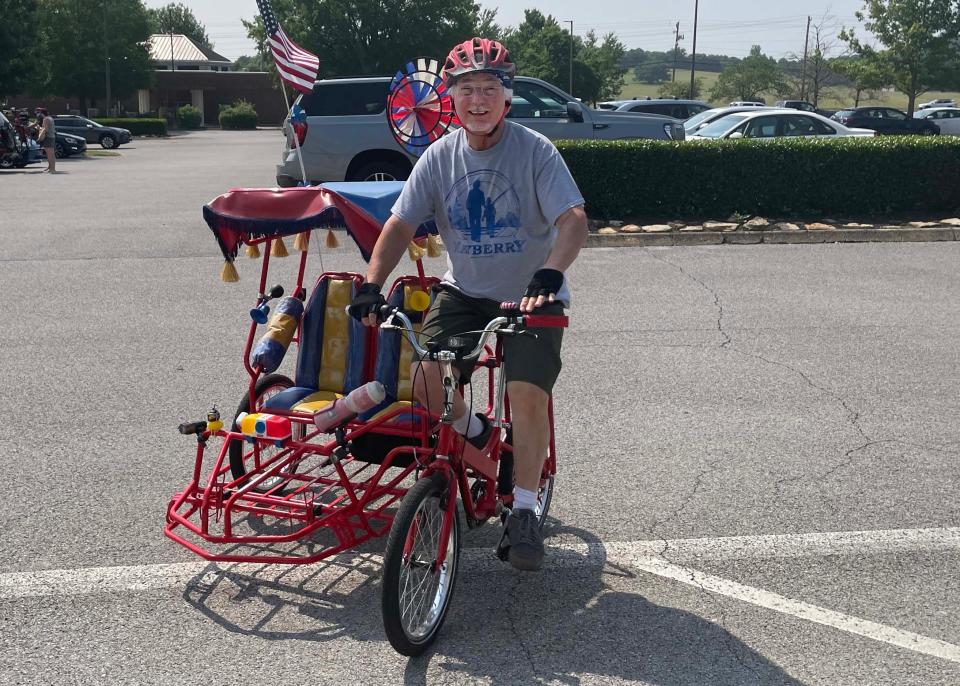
x: 293, y: 132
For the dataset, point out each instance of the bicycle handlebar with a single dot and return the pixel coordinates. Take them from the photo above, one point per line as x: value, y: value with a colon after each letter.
x: 496, y: 325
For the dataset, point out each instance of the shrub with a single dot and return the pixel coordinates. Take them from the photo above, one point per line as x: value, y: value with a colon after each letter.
x: 239, y: 115
x: 781, y: 177
x: 137, y: 126
x: 189, y: 117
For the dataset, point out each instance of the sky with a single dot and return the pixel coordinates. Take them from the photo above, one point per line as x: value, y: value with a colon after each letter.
x: 727, y: 27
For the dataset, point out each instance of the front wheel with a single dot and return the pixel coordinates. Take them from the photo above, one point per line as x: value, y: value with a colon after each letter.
x: 417, y: 592
x: 927, y: 132
x: 107, y: 142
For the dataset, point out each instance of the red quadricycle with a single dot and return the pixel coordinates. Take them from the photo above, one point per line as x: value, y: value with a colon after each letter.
x: 299, y: 473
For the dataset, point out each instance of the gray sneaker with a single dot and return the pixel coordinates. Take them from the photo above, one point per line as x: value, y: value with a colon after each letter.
x: 526, y: 540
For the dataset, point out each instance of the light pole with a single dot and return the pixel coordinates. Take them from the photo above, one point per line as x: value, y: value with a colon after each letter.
x: 570, y: 21
x: 693, y: 64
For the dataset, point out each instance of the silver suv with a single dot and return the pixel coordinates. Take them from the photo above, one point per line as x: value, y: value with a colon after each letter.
x: 346, y: 136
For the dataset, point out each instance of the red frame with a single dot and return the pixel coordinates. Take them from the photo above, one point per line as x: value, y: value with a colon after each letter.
x: 348, y: 497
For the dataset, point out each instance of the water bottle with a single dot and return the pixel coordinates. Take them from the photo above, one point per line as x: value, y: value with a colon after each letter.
x: 343, y: 409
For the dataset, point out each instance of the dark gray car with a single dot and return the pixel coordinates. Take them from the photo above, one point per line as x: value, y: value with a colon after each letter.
x: 92, y: 132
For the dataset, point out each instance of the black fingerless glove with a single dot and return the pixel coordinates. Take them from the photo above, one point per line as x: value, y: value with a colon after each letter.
x: 368, y: 300
x: 545, y: 282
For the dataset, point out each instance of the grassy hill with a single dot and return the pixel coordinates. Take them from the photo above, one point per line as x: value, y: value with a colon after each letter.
x: 834, y: 98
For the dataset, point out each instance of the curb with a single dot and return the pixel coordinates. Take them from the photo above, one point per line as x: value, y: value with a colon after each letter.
x: 889, y: 235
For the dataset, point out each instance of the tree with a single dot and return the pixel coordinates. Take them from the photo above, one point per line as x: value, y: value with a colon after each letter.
x: 817, y: 71
x: 681, y: 89
x: 746, y: 80
x: 920, y: 40
x: 77, y: 40
x: 178, y: 18
x: 354, y: 37
x: 603, y: 57
x: 651, y: 72
x: 249, y: 63
x: 17, y: 35
x: 863, y: 75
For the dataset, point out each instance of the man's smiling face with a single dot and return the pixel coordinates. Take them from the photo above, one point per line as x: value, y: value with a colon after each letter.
x: 480, y: 102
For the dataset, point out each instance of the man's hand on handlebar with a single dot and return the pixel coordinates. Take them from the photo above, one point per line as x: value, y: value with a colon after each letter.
x: 366, y: 305
x: 542, y: 290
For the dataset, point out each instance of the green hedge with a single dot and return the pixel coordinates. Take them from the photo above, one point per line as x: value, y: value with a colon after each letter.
x: 239, y: 115
x: 844, y: 177
x: 189, y: 117
x: 137, y: 126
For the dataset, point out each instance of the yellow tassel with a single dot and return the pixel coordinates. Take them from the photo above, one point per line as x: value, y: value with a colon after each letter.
x: 434, y: 245
x: 302, y: 241
x: 332, y: 241
x: 253, y: 251
x: 415, y: 251
x: 229, y: 272
x: 279, y: 248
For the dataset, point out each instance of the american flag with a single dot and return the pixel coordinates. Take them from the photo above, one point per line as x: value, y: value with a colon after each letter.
x: 295, y: 65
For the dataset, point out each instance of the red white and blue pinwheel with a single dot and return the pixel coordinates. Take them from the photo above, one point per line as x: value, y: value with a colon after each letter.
x: 419, y: 108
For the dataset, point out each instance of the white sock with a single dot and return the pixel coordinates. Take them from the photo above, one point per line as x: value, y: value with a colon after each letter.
x: 468, y: 425
x: 524, y: 499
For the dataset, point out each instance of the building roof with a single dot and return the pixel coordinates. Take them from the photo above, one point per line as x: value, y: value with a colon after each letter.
x: 184, y: 50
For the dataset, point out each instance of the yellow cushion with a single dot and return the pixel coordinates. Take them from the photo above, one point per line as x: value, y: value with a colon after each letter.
x: 403, y: 418
x: 336, y: 335
x: 316, y: 401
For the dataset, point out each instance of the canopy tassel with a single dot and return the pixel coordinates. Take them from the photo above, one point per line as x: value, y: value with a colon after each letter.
x: 279, y: 248
x: 253, y: 251
x: 229, y: 272
x: 434, y: 245
x: 415, y: 251
x: 302, y: 241
x: 332, y: 241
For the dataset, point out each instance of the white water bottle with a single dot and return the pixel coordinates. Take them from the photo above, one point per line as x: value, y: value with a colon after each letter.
x: 343, y: 409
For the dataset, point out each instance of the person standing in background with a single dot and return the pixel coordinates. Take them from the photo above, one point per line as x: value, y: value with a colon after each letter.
x: 47, y: 138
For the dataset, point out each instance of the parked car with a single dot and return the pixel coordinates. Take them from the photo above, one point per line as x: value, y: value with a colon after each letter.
x: 947, y: 119
x: 885, y: 120
x: 796, y: 105
x: 67, y: 144
x: 940, y: 102
x: 678, y: 109
x: 13, y: 150
x: 709, y: 116
x: 346, y: 136
x: 107, y: 136
x: 775, y: 124
x: 748, y: 103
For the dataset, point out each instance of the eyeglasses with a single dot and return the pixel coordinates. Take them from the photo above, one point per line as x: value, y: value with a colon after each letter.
x: 485, y: 91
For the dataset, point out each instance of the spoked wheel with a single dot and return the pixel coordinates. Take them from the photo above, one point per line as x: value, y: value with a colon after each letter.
x: 544, y: 497
x: 267, y: 387
x: 416, y: 592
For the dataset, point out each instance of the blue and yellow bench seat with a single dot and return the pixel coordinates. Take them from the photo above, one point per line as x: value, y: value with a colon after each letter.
x: 332, y: 358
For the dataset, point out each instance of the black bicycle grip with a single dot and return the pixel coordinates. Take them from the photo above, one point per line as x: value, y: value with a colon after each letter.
x: 192, y: 428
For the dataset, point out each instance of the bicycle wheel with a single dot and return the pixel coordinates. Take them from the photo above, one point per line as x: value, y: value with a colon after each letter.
x: 544, y: 498
x: 267, y: 387
x: 416, y: 594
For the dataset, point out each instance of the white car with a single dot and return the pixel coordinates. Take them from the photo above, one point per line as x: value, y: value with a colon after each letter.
x: 941, y: 102
x: 773, y: 123
x: 747, y: 103
x: 947, y: 118
x: 698, y: 121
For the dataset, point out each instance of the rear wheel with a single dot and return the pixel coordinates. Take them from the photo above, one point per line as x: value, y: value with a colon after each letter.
x: 416, y: 591
x: 381, y: 171
x: 243, y: 454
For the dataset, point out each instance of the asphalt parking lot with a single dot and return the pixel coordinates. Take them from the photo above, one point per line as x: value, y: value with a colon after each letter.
x: 758, y: 461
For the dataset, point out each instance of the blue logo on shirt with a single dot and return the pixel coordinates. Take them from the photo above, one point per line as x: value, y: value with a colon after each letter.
x: 483, y: 205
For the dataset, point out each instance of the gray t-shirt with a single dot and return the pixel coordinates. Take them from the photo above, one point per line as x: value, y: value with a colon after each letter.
x: 496, y: 209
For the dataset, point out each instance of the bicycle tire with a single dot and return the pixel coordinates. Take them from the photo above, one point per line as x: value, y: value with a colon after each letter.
x: 406, y: 635
x: 235, y: 451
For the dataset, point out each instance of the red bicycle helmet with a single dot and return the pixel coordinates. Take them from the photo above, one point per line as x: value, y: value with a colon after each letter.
x: 479, y: 55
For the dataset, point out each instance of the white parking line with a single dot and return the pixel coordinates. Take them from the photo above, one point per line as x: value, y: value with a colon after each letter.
x: 643, y: 555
